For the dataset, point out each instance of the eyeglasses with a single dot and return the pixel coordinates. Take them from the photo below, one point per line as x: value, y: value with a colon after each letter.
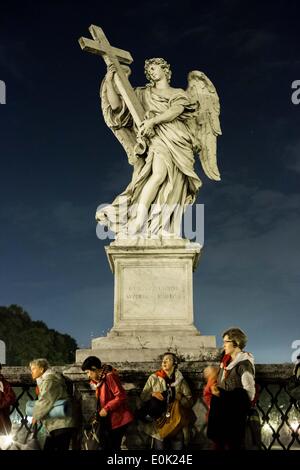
x: 227, y: 341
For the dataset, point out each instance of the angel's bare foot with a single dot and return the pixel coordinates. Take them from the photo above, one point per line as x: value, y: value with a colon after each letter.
x: 134, y: 228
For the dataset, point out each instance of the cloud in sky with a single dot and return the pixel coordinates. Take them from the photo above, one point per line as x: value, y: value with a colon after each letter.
x: 249, y: 271
x: 257, y: 224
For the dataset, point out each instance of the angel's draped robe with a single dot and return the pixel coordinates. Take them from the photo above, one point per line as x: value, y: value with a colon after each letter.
x: 172, y: 142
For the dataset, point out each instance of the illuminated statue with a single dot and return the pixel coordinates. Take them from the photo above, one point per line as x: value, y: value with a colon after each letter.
x: 161, y: 129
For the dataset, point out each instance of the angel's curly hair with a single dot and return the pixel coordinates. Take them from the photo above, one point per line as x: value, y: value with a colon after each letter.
x: 158, y: 61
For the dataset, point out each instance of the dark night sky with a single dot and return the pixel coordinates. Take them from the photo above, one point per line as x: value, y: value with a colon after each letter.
x: 59, y: 161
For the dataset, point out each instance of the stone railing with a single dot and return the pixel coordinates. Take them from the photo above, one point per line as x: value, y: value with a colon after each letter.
x: 280, y: 416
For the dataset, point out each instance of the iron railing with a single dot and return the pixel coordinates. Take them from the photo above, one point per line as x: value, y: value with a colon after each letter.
x: 280, y: 417
x: 279, y: 413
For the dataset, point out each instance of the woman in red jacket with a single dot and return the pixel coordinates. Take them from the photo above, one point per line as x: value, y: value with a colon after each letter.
x: 111, y: 397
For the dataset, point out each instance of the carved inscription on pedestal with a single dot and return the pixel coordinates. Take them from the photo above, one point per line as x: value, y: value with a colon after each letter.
x: 153, y: 293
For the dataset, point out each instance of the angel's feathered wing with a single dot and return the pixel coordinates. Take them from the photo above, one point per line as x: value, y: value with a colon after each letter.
x: 205, y: 126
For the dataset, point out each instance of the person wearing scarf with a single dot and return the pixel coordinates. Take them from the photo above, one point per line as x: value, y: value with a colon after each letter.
x: 163, y: 387
x: 111, y: 397
x: 235, y: 394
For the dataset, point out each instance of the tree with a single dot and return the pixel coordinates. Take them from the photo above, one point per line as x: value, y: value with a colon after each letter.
x: 27, y: 339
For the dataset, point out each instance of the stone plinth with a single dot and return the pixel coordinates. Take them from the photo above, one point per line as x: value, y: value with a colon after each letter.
x: 153, y: 303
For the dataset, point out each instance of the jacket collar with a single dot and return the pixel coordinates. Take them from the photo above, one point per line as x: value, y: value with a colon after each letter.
x: 241, y: 356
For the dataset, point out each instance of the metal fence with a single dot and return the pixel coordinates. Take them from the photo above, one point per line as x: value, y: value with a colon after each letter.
x: 280, y: 417
x: 279, y: 414
x: 18, y: 416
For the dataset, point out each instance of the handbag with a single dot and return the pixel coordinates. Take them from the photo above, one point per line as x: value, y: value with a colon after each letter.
x: 172, y: 421
x: 253, y: 438
x: 60, y: 408
x: 96, y: 432
x: 30, y: 442
x: 151, y: 410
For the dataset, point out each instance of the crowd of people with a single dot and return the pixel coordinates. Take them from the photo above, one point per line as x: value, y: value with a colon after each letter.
x: 164, y: 412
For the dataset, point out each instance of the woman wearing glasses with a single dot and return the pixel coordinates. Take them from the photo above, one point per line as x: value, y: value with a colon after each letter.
x: 234, y: 394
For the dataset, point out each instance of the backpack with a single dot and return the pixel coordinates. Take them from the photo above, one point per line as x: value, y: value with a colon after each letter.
x: 75, y: 400
x: 73, y: 396
x: 69, y: 386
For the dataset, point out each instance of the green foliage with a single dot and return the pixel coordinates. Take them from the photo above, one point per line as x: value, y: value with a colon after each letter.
x: 26, y: 339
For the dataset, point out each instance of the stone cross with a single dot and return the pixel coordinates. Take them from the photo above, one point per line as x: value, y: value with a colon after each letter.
x: 112, y: 55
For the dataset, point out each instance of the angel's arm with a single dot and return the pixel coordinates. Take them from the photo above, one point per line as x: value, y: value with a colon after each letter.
x: 167, y: 116
x: 112, y: 96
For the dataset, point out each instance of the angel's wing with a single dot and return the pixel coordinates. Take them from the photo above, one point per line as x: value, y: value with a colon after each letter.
x: 206, y: 125
x: 125, y: 135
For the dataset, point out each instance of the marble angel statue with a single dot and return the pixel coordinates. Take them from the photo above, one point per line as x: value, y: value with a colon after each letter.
x: 177, y: 125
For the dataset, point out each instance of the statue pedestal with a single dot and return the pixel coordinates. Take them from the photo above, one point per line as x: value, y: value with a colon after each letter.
x: 153, y: 303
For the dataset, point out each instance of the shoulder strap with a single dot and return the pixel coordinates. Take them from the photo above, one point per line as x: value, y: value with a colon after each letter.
x: 98, y: 406
x: 102, y: 381
x: 241, y: 365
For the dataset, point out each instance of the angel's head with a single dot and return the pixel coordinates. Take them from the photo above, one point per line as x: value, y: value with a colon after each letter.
x: 163, y: 65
